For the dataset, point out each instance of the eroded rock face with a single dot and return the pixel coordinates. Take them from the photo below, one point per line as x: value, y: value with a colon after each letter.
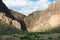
x: 7, y: 17
x: 44, y: 20
x: 54, y: 20
x: 9, y: 21
x: 5, y: 9
x: 18, y: 16
x: 16, y: 24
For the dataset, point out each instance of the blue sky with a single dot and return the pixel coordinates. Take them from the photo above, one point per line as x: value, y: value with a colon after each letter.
x: 28, y: 6
x: 34, y: 0
x: 38, y: 0
x: 52, y: 0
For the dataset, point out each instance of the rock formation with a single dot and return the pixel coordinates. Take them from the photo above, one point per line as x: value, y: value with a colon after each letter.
x: 4, y: 9
x: 19, y: 17
x: 11, y: 17
x: 38, y: 21
x: 7, y: 17
x: 44, y: 20
x: 16, y: 24
x: 9, y: 21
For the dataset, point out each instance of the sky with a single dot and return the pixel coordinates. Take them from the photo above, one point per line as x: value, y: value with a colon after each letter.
x: 28, y: 6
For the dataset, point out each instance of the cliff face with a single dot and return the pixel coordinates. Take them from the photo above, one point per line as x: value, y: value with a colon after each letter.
x: 7, y: 17
x: 35, y: 22
x: 11, y: 17
x: 18, y: 23
x: 9, y: 21
x: 44, y: 20
x: 18, y: 16
x: 55, y: 6
x: 3, y: 8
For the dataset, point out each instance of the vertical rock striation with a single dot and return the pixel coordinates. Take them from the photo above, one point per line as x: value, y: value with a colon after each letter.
x: 44, y: 20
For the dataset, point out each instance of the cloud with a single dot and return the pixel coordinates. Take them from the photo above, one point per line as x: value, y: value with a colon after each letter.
x: 15, y: 2
x: 26, y: 6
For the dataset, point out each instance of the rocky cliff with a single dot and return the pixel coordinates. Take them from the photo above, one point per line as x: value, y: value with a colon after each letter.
x: 38, y: 21
x: 9, y: 21
x: 44, y: 20
x: 11, y: 17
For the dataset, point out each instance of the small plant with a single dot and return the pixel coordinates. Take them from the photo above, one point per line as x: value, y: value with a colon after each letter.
x: 11, y: 38
x: 25, y: 38
x: 42, y: 39
x: 15, y: 36
x: 58, y: 37
x: 5, y: 38
x: 50, y: 38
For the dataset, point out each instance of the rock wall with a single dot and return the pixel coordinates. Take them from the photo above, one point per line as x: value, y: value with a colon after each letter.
x: 9, y: 21
x: 4, y: 8
x: 44, y: 20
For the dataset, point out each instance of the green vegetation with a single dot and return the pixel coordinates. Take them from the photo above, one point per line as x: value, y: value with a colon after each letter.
x: 58, y: 37
x: 42, y: 39
x: 8, y: 32
x: 56, y: 30
x: 50, y: 38
x: 6, y: 29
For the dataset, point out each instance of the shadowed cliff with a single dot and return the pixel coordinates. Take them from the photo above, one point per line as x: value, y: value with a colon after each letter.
x: 12, y: 15
x: 4, y: 9
x: 19, y: 17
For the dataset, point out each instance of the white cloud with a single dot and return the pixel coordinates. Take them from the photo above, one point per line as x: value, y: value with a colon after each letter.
x: 15, y: 2
x: 27, y: 6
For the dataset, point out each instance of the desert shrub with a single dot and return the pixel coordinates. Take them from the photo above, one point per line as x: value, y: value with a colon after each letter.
x: 56, y: 30
x: 11, y: 38
x: 25, y: 38
x: 6, y: 29
x: 15, y: 35
x: 42, y: 39
x: 50, y: 38
x: 58, y: 37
